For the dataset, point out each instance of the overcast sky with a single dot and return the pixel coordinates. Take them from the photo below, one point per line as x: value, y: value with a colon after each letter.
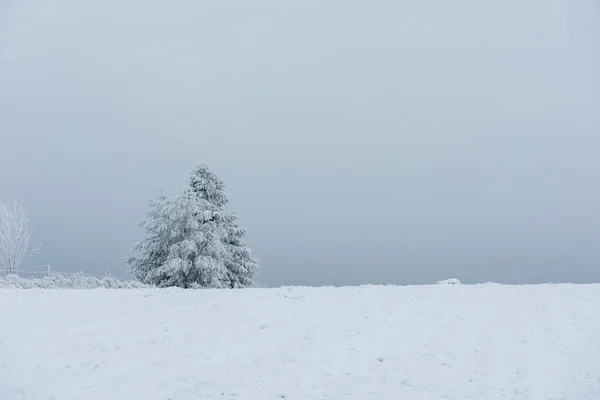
x: 362, y: 142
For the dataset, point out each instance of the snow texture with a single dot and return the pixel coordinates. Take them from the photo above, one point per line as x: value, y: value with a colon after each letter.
x: 192, y: 241
x: 55, y: 280
x: 432, y: 342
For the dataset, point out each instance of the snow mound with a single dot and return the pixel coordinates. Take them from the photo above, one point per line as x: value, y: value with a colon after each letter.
x: 451, y: 281
x: 62, y: 281
x: 416, y: 342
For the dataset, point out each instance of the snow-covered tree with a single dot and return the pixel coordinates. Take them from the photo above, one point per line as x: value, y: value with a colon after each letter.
x: 192, y: 240
x: 241, y: 267
x: 16, y: 242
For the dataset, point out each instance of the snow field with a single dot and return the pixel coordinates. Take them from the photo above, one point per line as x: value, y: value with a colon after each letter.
x: 372, y: 342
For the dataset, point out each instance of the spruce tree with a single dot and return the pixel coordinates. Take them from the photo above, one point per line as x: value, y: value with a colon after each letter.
x: 241, y: 267
x: 192, y: 240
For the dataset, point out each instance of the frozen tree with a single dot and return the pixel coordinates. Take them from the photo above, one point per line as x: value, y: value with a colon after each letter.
x: 192, y: 240
x: 241, y: 267
x: 16, y: 242
x: 183, y: 246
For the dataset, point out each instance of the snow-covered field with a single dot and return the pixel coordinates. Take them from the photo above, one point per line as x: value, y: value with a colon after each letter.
x: 422, y: 342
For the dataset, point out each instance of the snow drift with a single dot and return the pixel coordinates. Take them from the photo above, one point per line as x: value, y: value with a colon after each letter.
x: 419, y: 343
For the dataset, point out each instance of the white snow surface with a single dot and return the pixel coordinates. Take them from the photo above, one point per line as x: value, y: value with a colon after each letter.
x: 372, y: 342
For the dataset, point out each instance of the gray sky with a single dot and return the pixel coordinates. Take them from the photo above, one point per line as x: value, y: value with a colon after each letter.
x: 362, y: 142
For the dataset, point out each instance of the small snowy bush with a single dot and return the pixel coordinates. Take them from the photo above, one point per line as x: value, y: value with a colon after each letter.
x: 62, y: 281
x: 451, y: 281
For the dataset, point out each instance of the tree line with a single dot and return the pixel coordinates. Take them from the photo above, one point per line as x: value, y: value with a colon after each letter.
x: 191, y: 241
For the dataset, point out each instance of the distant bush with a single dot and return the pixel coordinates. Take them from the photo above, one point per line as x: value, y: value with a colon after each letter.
x: 56, y: 280
x: 451, y: 281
